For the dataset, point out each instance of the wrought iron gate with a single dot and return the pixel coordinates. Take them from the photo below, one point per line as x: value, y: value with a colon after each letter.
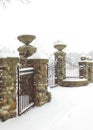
x: 25, y: 89
x: 51, y: 74
x: 72, y: 67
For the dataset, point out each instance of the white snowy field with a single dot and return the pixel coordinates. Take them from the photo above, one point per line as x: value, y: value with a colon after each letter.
x: 71, y: 108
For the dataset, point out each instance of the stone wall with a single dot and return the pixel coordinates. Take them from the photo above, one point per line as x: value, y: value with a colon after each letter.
x: 75, y: 82
x: 8, y: 87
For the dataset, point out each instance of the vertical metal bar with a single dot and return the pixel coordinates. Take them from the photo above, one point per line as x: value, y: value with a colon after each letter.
x: 18, y: 89
x: 19, y: 105
x: 22, y: 102
x: 47, y: 74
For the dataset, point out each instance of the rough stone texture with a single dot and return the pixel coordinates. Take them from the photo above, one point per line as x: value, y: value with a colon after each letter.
x: 35, y: 86
x: 41, y: 95
x: 76, y: 83
x: 8, y: 87
x: 90, y: 71
x: 86, y: 70
x: 26, y: 50
x: 83, y: 70
x: 26, y: 39
x: 60, y: 67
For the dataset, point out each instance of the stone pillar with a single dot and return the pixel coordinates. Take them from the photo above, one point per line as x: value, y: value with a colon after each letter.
x: 90, y: 71
x: 28, y: 59
x: 60, y: 67
x: 41, y: 94
x: 86, y: 68
x: 8, y: 87
x: 26, y: 86
x: 83, y: 69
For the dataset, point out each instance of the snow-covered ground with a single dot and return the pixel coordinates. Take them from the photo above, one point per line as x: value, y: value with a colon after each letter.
x: 70, y: 109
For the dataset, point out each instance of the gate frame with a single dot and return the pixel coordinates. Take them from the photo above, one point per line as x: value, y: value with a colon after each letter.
x: 24, y: 71
x: 52, y: 77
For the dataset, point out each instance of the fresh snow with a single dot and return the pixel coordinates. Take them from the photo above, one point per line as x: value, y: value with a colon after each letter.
x: 71, y: 108
x: 26, y: 69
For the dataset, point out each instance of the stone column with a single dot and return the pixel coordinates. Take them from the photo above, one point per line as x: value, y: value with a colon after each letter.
x: 60, y: 67
x: 41, y: 94
x: 90, y: 71
x: 28, y: 59
x: 83, y: 69
x: 86, y: 68
x: 26, y: 86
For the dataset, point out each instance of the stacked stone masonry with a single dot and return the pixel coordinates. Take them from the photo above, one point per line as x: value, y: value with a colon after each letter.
x: 35, y: 86
x: 60, y: 67
x: 86, y: 70
x: 8, y: 87
x: 41, y: 94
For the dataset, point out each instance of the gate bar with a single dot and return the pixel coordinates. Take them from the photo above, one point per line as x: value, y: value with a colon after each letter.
x: 18, y: 88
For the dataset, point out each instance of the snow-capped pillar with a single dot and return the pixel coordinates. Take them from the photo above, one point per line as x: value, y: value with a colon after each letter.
x: 86, y: 68
x: 83, y: 70
x: 39, y: 63
x: 60, y: 67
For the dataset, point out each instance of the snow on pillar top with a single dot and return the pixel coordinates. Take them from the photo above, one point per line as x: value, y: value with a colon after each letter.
x: 85, y: 58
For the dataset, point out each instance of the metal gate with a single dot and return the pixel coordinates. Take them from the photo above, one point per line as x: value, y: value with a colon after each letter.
x: 72, y: 67
x: 51, y: 74
x: 25, y: 89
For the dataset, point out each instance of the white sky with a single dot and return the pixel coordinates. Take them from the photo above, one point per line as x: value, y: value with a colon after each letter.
x: 70, y: 21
